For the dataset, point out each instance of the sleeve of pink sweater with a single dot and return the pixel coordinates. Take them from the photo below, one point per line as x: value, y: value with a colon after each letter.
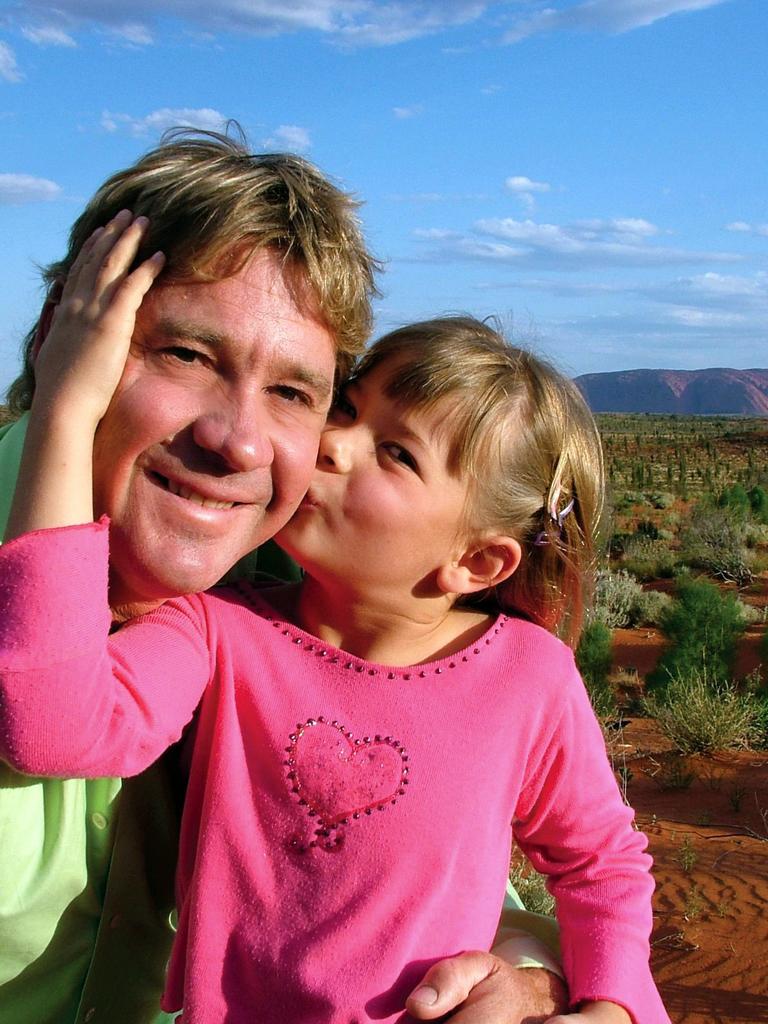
x: 574, y: 826
x: 73, y: 700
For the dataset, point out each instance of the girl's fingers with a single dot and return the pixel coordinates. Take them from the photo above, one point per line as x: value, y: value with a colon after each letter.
x: 103, y: 262
x: 129, y: 293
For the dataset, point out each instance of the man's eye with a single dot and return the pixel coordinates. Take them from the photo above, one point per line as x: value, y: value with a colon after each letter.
x: 400, y: 454
x: 291, y: 394
x: 181, y: 353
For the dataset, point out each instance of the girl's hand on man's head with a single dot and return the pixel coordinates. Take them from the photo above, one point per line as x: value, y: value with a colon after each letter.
x: 82, y: 356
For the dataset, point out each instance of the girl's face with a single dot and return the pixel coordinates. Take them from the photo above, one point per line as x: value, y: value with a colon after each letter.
x: 382, y: 510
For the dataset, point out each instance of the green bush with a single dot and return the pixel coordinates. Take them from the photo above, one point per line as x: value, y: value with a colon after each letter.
x: 662, y: 500
x: 736, y: 500
x: 648, y: 559
x: 715, y: 540
x: 593, y: 656
x: 703, y: 628
x: 758, y: 500
x: 647, y: 528
x: 649, y: 608
x: 700, y: 713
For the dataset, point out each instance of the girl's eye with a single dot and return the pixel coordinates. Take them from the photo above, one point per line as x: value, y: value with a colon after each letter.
x: 400, y: 454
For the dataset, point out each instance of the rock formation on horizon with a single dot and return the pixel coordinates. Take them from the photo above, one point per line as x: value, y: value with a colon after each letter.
x: 710, y: 392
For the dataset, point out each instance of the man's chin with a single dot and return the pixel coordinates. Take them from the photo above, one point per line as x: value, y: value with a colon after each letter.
x: 138, y: 587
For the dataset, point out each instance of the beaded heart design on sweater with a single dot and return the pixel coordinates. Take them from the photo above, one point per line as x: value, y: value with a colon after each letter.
x: 339, y: 779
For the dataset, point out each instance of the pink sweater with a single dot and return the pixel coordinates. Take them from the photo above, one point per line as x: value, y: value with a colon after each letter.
x: 346, y: 824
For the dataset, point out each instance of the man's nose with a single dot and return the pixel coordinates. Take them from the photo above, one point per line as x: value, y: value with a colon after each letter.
x: 238, y: 432
x: 336, y: 451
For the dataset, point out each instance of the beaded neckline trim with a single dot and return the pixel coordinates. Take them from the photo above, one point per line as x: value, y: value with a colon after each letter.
x: 335, y: 656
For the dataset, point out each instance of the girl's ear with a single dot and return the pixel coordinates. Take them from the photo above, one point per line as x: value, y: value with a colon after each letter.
x: 484, y: 564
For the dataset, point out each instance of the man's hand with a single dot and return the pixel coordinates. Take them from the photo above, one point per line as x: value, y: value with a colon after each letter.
x: 596, y: 1013
x: 483, y: 989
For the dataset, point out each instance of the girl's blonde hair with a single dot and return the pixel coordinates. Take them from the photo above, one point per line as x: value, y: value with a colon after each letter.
x: 524, y: 436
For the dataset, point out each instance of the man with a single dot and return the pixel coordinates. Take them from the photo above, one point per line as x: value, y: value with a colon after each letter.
x: 205, y: 451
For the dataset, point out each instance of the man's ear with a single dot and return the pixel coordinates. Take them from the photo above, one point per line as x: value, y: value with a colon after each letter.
x: 46, y: 317
x: 484, y: 564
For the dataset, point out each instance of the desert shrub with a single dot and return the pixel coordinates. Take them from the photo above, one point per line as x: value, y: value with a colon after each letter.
x: 647, y: 528
x: 629, y: 499
x: 615, y: 596
x: 699, y: 712
x: 593, y: 656
x: 715, y: 540
x: 662, y: 499
x: 736, y: 500
x: 748, y: 612
x: 756, y: 535
x: 531, y: 887
x: 649, y: 608
x: 671, y: 520
x: 703, y: 628
x: 758, y: 501
x: 648, y: 559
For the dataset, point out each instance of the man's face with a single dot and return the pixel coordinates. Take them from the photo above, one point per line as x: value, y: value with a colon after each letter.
x: 211, y: 438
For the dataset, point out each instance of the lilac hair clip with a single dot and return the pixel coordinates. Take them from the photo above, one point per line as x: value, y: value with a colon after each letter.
x: 542, y: 538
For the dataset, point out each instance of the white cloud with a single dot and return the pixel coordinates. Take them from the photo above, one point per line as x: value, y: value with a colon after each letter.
x: 348, y: 22
x: 8, y: 68
x: 289, y: 137
x: 689, y: 316
x: 161, y: 120
x: 133, y: 33
x: 619, y: 228
x: 725, y: 294
x: 48, y: 35
x: 619, y: 242
x: 603, y: 16
x: 519, y: 183
x: 16, y: 189
x: 524, y: 189
x: 749, y: 229
x: 403, y: 113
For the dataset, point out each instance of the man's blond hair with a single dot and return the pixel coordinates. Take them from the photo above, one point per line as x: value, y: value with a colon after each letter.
x: 211, y: 204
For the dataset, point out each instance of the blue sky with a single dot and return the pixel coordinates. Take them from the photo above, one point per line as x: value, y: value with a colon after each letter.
x: 592, y: 171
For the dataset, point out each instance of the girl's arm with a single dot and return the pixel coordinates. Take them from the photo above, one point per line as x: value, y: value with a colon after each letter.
x: 72, y: 701
x: 573, y: 825
x: 77, y: 371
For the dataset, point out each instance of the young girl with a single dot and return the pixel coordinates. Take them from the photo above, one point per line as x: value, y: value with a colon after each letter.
x: 370, y: 741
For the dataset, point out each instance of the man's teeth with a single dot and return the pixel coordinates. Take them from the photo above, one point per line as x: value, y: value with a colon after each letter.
x: 185, y: 492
